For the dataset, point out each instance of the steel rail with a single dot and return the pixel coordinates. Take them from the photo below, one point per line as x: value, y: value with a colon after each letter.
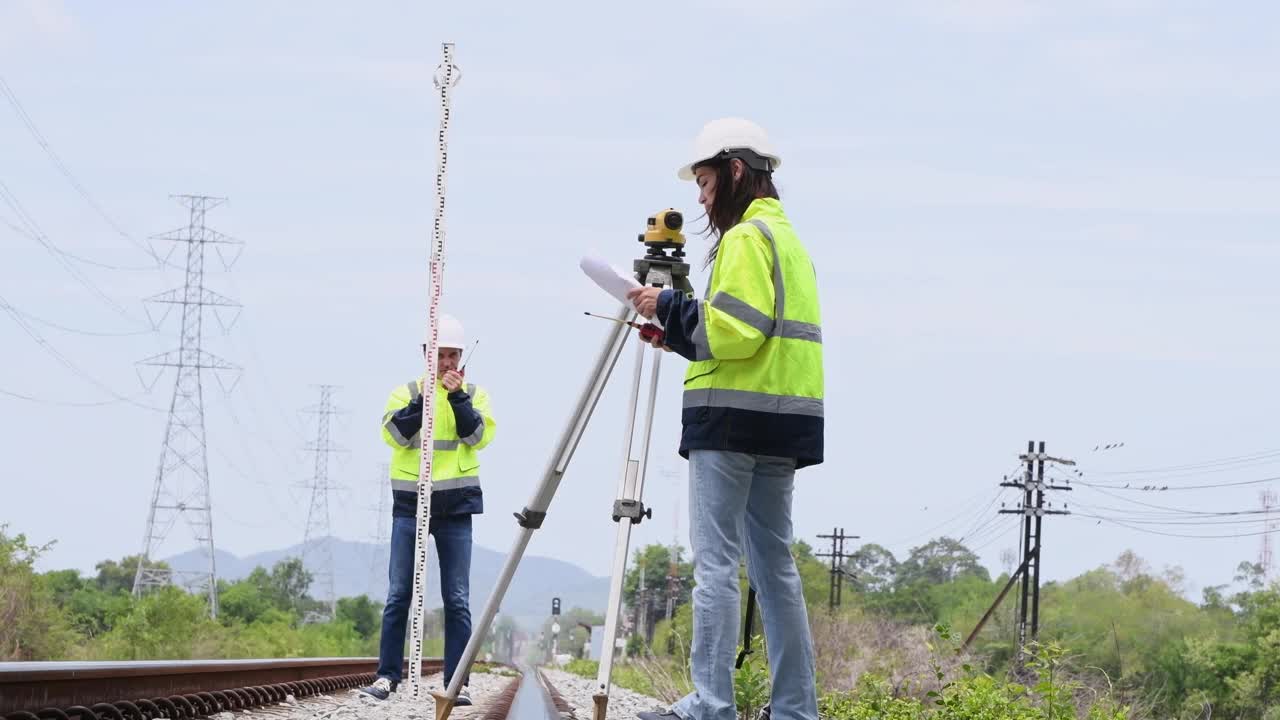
x: 145, y: 690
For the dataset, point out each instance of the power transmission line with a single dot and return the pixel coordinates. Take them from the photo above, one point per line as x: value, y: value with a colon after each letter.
x: 1130, y: 512
x: 983, y: 523
x: 967, y: 510
x: 1170, y: 518
x: 1166, y: 523
x: 62, y: 403
x: 1158, y: 511
x: 1174, y: 510
x: 1171, y: 488
x: 268, y: 488
x: 9, y: 95
x: 77, y: 331
x: 989, y: 531
x: 65, y: 362
x: 63, y: 257
x: 265, y: 431
x: 1272, y: 455
x: 995, y: 535
x: 1182, y: 535
x: 31, y: 235
x: 248, y: 337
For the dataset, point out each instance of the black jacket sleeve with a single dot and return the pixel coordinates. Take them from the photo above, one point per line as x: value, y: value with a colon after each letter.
x: 466, y: 417
x: 679, y: 316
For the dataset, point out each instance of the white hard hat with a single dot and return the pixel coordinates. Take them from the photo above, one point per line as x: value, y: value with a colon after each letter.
x: 728, y: 135
x: 450, y: 333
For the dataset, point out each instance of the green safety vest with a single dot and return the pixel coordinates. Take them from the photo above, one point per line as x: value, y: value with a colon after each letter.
x: 455, y: 461
x: 756, y: 382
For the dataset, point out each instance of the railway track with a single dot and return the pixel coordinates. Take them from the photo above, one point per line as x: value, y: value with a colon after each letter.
x: 172, y: 689
x: 206, y: 688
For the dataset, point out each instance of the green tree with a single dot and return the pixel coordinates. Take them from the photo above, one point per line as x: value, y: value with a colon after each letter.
x: 283, y: 588
x: 246, y: 601
x: 32, y: 626
x: 1251, y: 574
x: 655, y: 563
x: 939, y: 561
x: 873, y: 567
x: 168, y: 623
x: 672, y: 637
x: 364, y: 614
x: 90, y: 610
x: 288, y: 583
x: 935, y: 581
x: 962, y: 602
x: 1136, y: 627
x: 115, y: 576
x: 63, y: 585
x: 94, y: 612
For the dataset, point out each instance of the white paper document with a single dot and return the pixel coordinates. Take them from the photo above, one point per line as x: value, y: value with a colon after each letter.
x: 611, y: 280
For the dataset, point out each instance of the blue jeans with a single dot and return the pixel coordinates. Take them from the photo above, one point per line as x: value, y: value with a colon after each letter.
x: 453, y: 548
x: 736, y: 499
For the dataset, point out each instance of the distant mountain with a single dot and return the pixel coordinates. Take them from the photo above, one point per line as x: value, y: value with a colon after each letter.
x: 361, y: 569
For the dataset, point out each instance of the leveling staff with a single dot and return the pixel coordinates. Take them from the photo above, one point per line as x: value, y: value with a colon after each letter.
x: 752, y: 416
x: 463, y: 427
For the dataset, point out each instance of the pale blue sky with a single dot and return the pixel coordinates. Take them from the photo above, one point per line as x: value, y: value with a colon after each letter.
x: 1030, y: 220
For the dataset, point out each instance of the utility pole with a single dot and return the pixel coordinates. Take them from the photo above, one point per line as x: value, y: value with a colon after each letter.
x: 1033, y: 491
x: 1265, y: 560
x: 837, y: 555
x: 181, y: 489
x: 317, y: 540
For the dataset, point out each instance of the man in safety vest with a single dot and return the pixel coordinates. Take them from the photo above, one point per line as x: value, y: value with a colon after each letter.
x: 463, y: 427
x: 752, y: 416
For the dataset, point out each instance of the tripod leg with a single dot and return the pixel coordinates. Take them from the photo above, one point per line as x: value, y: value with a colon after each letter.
x: 747, y: 627
x: 535, y: 511
x: 627, y: 512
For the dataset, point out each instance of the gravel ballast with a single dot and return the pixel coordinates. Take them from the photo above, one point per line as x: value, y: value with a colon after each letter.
x: 355, y: 705
x: 578, y: 692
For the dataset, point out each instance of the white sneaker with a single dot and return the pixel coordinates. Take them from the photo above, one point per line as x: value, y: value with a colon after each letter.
x: 464, y: 697
x: 380, y: 689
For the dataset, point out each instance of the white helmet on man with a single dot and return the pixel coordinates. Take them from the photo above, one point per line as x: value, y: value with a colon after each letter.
x: 450, y: 333
x: 733, y: 137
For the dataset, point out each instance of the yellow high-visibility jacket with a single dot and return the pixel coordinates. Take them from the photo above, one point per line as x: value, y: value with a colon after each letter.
x: 755, y: 383
x: 455, y: 472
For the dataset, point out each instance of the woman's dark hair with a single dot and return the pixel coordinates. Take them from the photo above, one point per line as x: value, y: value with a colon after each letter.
x: 733, y: 197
